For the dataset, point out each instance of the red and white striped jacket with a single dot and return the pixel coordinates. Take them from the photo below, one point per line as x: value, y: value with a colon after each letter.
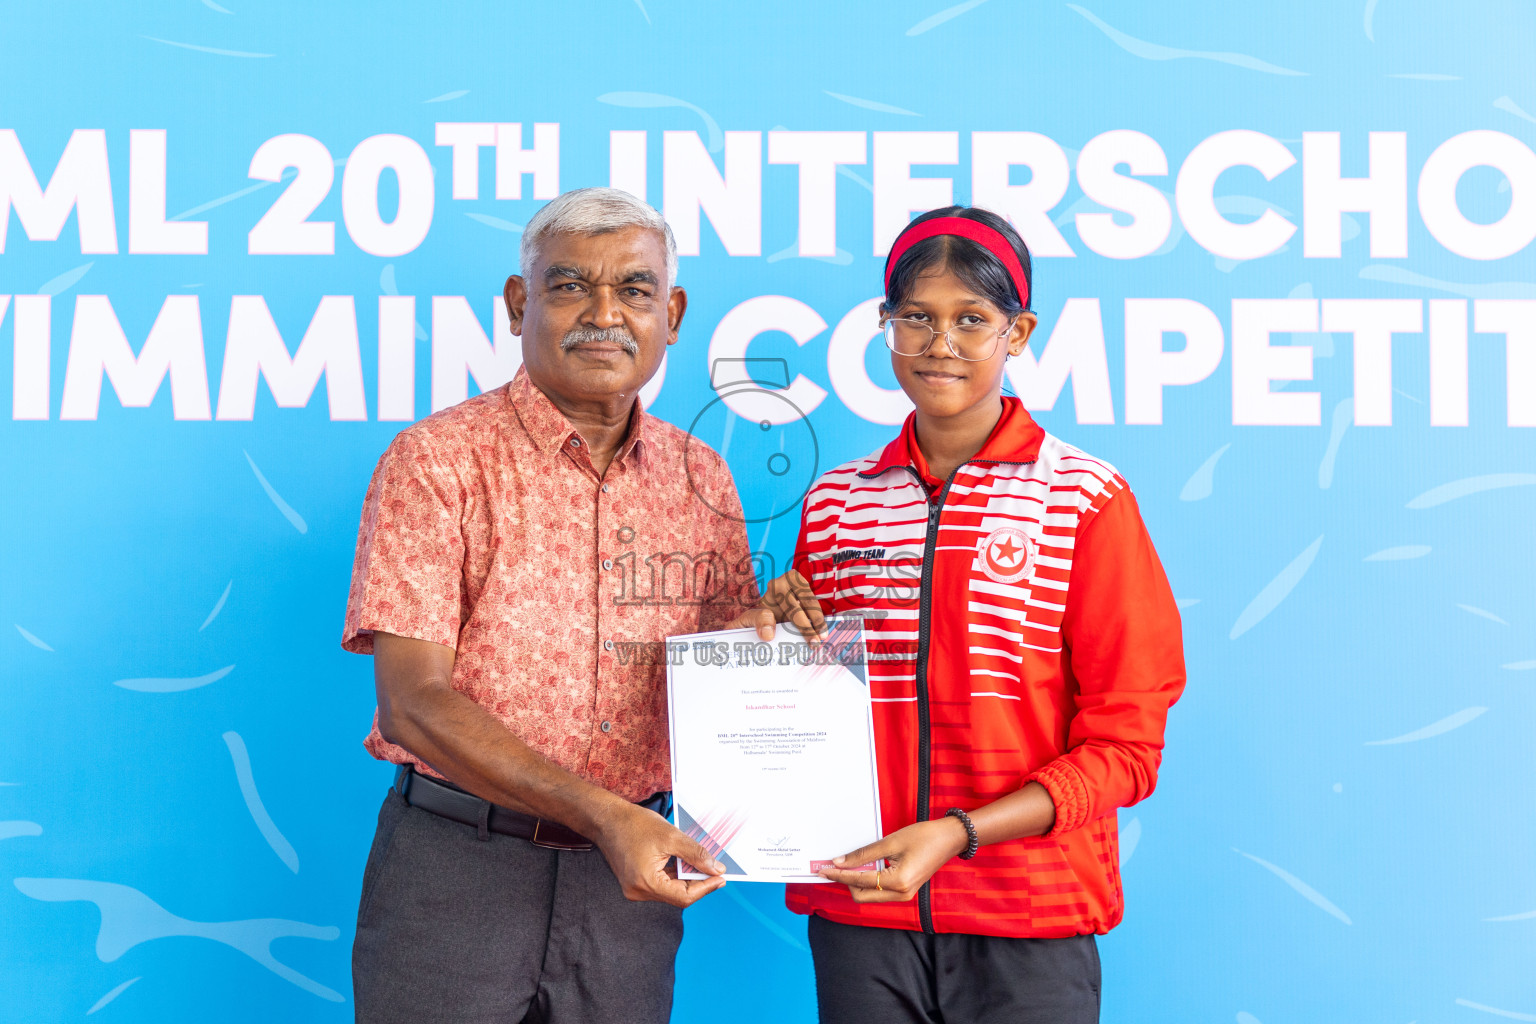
x: 1020, y: 629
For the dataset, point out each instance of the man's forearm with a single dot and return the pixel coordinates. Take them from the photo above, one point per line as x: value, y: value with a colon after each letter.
x: 470, y: 748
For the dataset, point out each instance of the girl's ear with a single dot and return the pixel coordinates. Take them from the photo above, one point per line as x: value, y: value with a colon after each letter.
x: 1018, y: 338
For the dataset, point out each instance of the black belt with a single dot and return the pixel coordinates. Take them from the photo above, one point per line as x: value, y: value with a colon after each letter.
x: 449, y: 801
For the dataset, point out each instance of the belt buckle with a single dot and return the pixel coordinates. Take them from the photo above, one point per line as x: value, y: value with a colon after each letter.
x: 553, y: 845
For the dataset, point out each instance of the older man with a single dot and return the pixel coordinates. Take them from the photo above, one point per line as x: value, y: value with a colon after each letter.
x: 520, y: 557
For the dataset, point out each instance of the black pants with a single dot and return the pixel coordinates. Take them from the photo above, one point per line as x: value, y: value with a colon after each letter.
x: 453, y: 929
x: 892, y: 976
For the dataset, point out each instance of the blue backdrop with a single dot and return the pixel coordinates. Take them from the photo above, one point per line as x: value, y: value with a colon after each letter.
x: 1343, y: 827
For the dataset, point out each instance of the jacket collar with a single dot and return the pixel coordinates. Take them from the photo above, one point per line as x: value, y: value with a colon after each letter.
x: 547, y: 426
x: 1015, y: 438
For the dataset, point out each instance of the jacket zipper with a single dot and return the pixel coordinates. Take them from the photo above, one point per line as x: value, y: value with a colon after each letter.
x: 924, y: 730
x: 924, y: 610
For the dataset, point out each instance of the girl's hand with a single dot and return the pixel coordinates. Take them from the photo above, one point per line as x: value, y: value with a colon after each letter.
x: 788, y: 598
x: 912, y: 855
x: 791, y: 599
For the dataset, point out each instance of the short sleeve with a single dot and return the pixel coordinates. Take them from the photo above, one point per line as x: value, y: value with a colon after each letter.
x: 727, y: 536
x: 407, y: 576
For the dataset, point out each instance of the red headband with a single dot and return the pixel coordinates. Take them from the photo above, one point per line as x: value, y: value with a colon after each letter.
x: 988, y: 238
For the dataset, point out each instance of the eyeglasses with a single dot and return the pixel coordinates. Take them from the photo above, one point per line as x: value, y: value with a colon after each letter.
x: 973, y: 343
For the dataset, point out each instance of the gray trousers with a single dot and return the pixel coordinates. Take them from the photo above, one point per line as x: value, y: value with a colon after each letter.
x: 454, y: 929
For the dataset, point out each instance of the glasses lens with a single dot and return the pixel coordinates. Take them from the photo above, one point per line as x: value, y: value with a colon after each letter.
x: 973, y: 341
x: 907, y: 337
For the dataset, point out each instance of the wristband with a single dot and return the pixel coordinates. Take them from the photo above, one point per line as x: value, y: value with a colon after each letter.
x: 970, y: 830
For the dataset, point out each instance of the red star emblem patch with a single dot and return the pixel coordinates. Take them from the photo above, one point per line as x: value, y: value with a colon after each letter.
x: 1006, y: 554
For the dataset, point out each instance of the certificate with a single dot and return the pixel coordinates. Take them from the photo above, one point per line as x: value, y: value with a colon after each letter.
x: 773, y: 749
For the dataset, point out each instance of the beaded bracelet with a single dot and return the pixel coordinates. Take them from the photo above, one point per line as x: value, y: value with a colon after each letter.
x: 970, y: 830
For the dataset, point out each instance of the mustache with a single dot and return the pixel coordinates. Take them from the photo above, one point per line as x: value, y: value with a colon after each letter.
x: 619, y: 336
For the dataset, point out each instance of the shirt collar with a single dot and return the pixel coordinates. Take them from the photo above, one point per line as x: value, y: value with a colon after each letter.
x: 551, y: 432
x: 1015, y: 438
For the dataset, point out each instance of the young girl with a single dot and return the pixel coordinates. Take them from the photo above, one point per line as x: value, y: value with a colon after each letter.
x: 1024, y: 650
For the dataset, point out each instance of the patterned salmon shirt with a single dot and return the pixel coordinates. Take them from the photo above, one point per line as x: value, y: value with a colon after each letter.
x: 487, y: 529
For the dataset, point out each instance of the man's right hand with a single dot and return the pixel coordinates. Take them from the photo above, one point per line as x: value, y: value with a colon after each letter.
x: 421, y: 711
x: 640, y: 844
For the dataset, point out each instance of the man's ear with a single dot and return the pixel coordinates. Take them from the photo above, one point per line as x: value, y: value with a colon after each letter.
x: 677, y: 305
x: 515, y: 293
x: 1018, y: 338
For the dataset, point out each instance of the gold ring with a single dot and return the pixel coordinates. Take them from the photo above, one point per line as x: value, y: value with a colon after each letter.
x: 878, y: 887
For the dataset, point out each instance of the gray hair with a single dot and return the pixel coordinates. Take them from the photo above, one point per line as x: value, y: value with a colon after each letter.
x: 594, y: 211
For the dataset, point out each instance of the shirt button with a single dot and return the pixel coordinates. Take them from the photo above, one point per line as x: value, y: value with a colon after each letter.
x: 575, y: 442
x: 605, y: 488
x: 607, y: 646
x: 607, y: 563
x: 606, y: 727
